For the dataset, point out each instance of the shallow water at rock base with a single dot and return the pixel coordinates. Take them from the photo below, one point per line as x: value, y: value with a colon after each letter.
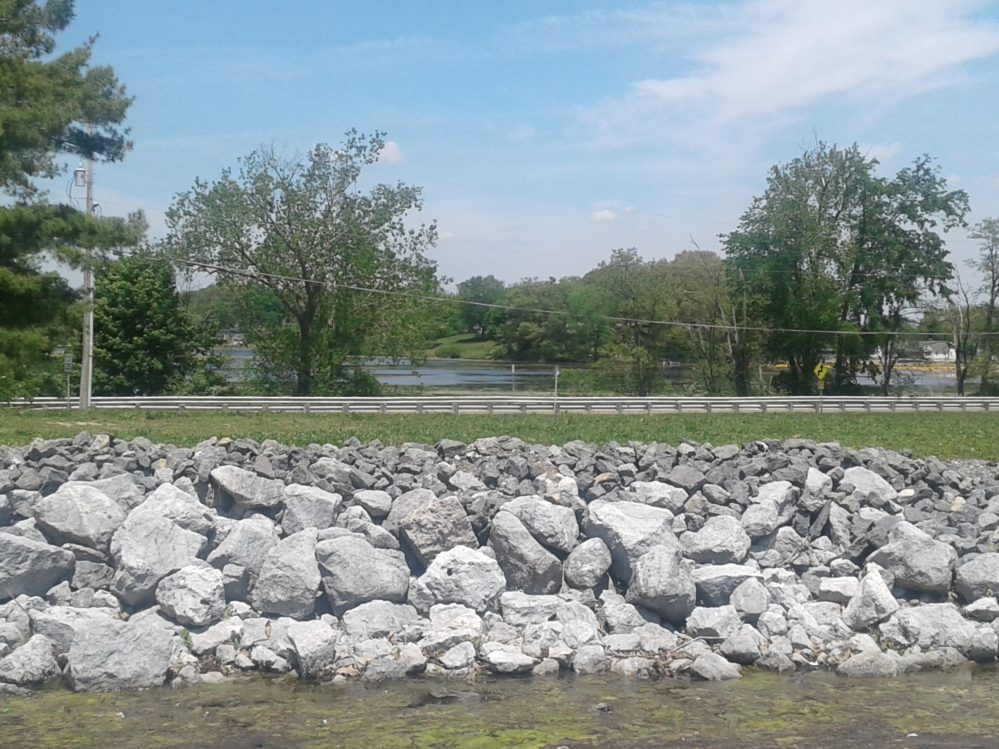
x: 959, y: 708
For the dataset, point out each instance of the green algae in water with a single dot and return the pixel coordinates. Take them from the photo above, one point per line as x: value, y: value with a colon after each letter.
x: 761, y: 710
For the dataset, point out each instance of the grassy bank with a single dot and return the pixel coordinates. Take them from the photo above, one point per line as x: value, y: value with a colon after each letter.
x: 944, y: 435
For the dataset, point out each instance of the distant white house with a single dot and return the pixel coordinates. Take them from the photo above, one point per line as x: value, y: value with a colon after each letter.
x: 938, y: 351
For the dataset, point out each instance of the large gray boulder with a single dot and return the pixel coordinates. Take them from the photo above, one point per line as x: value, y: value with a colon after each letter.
x: 715, y: 583
x: 657, y: 494
x: 289, y: 577
x: 314, y: 646
x: 147, y: 548
x: 245, y: 489
x: 629, y: 529
x: 465, y: 576
x: 661, y: 584
x: 193, y: 595
x: 241, y: 555
x: 863, y: 481
x: 383, y: 619
x: 180, y: 507
x: 32, y: 664
x: 31, y: 567
x: 354, y: 572
x: 916, y: 560
x: 721, y: 540
x: 430, y: 525
x: 769, y: 509
x: 114, y: 655
x: 528, y: 566
x: 78, y: 514
x: 122, y: 488
x: 933, y: 625
x: 61, y: 624
x: 308, y: 507
x: 978, y: 577
x: 587, y: 564
x: 872, y: 603
x: 554, y: 526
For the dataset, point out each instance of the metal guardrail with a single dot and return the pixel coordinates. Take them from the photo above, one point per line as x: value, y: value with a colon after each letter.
x: 527, y: 405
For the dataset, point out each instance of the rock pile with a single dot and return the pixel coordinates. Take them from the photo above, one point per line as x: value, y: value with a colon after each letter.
x: 127, y: 564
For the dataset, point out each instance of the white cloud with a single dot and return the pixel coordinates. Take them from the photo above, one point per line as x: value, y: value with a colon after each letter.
x: 391, y: 153
x: 772, y: 59
x: 601, y: 215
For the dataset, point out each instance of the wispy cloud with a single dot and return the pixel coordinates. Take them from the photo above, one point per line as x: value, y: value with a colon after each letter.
x: 602, y: 215
x: 771, y: 60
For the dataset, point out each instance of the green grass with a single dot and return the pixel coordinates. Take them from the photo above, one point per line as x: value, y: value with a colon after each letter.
x: 461, y: 346
x: 944, y: 435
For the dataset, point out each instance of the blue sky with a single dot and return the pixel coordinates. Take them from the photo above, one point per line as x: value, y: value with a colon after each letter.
x: 546, y: 134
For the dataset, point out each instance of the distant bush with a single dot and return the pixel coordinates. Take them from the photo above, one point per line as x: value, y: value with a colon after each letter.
x: 448, y: 351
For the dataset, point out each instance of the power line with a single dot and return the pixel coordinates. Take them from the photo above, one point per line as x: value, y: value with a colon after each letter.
x: 252, y: 275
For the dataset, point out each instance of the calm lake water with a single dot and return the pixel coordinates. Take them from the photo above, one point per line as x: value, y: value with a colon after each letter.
x: 504, y: 377
x: 954, y: 709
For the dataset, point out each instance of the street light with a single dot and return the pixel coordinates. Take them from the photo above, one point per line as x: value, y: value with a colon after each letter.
x: 84, y: 177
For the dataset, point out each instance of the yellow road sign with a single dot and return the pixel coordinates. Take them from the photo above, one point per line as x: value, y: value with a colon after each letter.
x: 821, y: 370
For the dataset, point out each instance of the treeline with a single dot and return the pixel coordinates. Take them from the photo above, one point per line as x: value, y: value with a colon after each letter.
x: 832, y: 264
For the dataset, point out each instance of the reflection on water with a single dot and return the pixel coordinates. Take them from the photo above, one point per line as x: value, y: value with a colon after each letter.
x: 956, y: 709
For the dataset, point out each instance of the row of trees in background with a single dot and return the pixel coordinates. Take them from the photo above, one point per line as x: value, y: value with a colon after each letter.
x: 312, y: 263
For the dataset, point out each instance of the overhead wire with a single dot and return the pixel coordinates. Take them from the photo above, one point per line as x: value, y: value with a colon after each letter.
x: 256, y: 274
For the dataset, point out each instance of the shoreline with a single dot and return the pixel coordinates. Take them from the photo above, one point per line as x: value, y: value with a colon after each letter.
x: 132, y: 565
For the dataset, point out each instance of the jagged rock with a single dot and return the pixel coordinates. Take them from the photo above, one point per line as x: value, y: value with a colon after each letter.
x: 934, y: 625
x: 660, y: 584
x: 587, y: 564
x: 450, y: 625
x: 745, y: 646
x: 113, y: 655
x: 978, y: 577
x: 553, y: 526
x: 528, y: 566
x: 242, y: 553
x: 246, y: 489
x: 61, y: 624
x: 289, y: 577
x: 721, y: 540
x: 630, y: 530
x: 179, y: 507
x: 192, y: 596
x: 32, y: 664
x: 983, y: 609
x: 864, y: 482
x: 147, y: 548
x: 508, y: 660
x: 31, y: 567
x: 657, y: 494
x: 750, y: 598
x: 872, y: 603
x: 308, y: 507
x: 383, y: 619
x: 869, y: 663
x: 431, y: 525
x: 355, y: 572
x: 520, y: 609
x: 715, y: 583
x: 80, y: 514
x: 579, y: 624
x: 714, y: 622
x: 837, y: 589
x: 590, y: 659
x: 916, y: 560
x: 466, y: 576
x: 712, y: 667
x: 376, y: 503
x: 314, y: 644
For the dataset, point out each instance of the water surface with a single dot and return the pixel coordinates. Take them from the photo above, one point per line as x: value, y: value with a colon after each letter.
x: 955, y: 709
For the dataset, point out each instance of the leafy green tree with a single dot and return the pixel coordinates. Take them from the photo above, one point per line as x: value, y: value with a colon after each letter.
x: 483, y: 290
x: 987, y: 265
x: 145, y: 342
x: 832, y: 249
x: 344, y: 265
x: 50, y: 104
